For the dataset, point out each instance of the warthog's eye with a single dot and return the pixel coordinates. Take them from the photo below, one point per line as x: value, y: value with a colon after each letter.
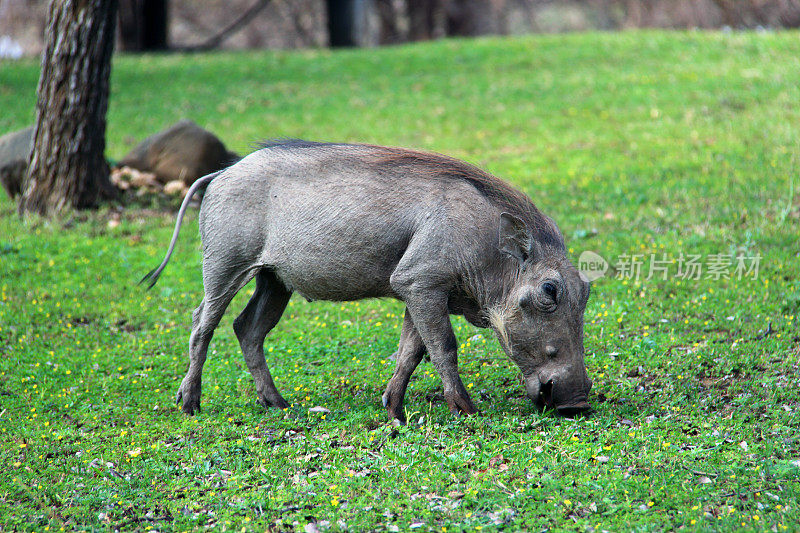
x: 548, y: 296
x: 544, y: 299
x: 550, y: 290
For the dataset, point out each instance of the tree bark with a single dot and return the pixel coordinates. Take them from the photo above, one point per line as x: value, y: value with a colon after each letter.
x: 67, y: 164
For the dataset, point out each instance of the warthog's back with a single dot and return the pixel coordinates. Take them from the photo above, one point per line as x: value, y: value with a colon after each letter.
x: 334, y: 220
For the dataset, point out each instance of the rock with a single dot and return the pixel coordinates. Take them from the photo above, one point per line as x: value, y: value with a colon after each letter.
x: 118, y: 181
x: 176, y: 188
x: 15, y: 147
x: 126, y: 177
x: 184, y: 152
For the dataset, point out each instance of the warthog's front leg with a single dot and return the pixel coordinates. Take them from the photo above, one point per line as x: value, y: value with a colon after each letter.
x: 409, y: 354
x: 429, y: 313
x: 262, y: 313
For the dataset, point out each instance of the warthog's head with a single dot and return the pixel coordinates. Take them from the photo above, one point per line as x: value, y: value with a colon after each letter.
x: 540, y: 324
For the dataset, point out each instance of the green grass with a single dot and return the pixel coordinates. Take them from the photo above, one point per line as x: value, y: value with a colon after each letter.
x: 635, y: 143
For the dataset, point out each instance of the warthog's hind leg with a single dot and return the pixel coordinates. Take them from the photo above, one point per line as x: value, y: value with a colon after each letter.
x: 409, y: 354
x: 261, y: 314
x: 220, y: 290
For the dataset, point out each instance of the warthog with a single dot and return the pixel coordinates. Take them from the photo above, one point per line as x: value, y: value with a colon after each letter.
x: 348, y: 221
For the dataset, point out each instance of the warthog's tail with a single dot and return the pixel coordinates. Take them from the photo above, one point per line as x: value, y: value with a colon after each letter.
x: 153, y: 275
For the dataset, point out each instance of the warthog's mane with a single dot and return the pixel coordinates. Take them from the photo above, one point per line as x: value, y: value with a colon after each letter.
x: 438, y: 166
x: 289, y: 143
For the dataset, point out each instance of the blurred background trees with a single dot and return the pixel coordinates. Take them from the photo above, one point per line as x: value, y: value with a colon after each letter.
x: 181, y: 24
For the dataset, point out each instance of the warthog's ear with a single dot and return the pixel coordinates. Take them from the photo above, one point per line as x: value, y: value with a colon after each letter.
x: 515, y: 237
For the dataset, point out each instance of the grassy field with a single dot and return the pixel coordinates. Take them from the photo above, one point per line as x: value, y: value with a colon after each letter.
x: 635, y: 143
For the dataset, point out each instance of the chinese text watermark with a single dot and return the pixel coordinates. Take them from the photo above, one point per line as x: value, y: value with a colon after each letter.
x: 664, y: 266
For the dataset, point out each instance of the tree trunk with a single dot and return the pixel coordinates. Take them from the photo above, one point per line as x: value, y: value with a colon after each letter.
x: 428, y: 19
x: 471, y: 18
x: 67, y: 164
x: 143, y: 25
x: 353, y: 23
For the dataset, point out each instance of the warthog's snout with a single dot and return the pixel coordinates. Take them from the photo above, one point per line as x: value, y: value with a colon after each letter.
x: 561, y: 396
x: 573, y: 410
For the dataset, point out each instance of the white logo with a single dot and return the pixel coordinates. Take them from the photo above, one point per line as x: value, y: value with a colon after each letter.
x: 591, y: 266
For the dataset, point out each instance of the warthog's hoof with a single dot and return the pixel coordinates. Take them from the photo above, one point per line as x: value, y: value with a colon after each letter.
x: 394, y: 408
x: 190, y: 397
x: 459, y: 405
x: 273, y: 399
